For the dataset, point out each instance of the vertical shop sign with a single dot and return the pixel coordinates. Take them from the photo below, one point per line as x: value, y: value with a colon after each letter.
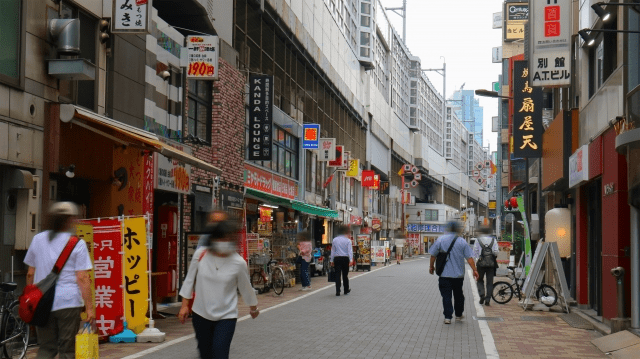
x: 376, y: 182
x: 310, y: 136
x: 202, y: 53
x: 327, y: 149
x: 354, y: 168
x: 516, y: 15
x: 147, y: 186
x: 550, y: 23
x: 107, y: 267
x: 367, y: 178
x: 85, y: 232
x: 130, y: 16
x: 384, y: 187
x: 338, y: 159
x: 260, y: 117
x: 527, y: 114
x: 346, y: 157
x: 136, y: 282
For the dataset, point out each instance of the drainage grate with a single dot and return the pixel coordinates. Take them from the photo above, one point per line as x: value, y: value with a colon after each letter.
x: 576, y: 321
x: 489, y: 319
x: 537, y: 319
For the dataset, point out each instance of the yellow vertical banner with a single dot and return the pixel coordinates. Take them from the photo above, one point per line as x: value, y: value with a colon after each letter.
x: 354, y: 168
x: 85, y: 232
x: 136, y: 279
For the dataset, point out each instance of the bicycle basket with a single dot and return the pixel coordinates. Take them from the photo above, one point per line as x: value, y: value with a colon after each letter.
x: 261, y: 259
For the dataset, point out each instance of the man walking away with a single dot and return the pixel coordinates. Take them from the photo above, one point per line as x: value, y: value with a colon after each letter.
x: 341, y: 256
x: 452, y: 277
x: 485, y: 251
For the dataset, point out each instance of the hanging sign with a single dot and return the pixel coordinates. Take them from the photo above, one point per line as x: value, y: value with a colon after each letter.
x: 136, y: 280
x: 107, y: 268
x: 337, y: 162
x: 384, y: 187
x: 376, y: 182
x: 327, y: 149
x: 202, y: 53
x: 310, y: 136
x: 527, y: 114
x: 516, y: 15
x: 346, y: 157
x: 171, y: 174
x: 550, y: 23
x: 265, y: 214
x: 579, y: 166
x: 130, y: 16
x: 367, y: 178
x: 260, y: 117
x: 354, y: 168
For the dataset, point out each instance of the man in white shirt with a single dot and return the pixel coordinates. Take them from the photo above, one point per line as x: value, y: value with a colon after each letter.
x: 341, y: 256
x: 486, y: 263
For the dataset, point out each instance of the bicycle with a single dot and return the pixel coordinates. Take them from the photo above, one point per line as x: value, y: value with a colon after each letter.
x: 14, y: 333
x: 268, y: 275
x: 504, y: 291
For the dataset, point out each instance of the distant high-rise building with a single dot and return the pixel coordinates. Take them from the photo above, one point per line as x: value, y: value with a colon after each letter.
x: 469, y: 111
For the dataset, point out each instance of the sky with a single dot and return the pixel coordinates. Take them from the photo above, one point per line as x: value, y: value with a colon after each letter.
x: 460, y: 31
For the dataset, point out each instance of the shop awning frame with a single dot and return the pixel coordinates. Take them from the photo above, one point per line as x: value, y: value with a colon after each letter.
x: 268, y: 197
x: 142, y: 138
x: 314, y: 210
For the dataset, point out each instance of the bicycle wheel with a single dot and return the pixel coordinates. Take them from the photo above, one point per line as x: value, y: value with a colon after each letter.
x: 257, y: 281
x: 547, y: 295
x: 502, y: 292
x: 277, y: 280
x: 15, y: 332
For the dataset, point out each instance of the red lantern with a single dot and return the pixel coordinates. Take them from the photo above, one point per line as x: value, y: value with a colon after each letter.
x: 506, y: 203
x: 514, y: 202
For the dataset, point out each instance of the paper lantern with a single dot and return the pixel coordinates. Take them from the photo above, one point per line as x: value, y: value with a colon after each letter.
x: 514, y: 202
x: 558, y: 229
x: 506, y: 203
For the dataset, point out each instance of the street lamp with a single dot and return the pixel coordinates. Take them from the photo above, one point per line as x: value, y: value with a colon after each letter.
x: 494, y: 94
x: 604, y: 14
x: 589, y: 39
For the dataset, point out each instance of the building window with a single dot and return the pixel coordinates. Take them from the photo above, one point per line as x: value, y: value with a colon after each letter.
x: 285, y: 153
x: 11, y: 42
x: 430, y: 214
x: 81, y: 93
x: 199, y: 114
x: 602, y: 59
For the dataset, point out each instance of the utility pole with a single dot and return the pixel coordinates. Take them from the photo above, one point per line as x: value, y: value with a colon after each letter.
x: 404, y: 18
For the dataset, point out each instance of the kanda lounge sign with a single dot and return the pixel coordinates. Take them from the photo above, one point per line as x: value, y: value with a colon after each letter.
x: 260, y: 117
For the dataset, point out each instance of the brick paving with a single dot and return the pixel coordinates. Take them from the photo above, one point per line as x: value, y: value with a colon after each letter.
x: 394, y: 312
x: 518, y: 339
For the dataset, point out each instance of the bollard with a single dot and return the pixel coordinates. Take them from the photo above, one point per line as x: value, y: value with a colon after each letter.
x: 620, y: 323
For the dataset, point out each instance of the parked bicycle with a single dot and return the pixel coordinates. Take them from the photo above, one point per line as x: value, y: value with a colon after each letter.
x: 14, y: 333
x: 267, y: 275
x: 504, y: 291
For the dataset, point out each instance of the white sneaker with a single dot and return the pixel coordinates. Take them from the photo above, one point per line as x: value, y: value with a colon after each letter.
x: 460, y: 317
x: 306, y: 288
x: 301, y: 289
x: 447, y: 321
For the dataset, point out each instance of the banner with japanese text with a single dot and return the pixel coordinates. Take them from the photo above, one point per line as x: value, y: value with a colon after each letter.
x: 107, y: 259
x: 527, y: 114
x: 136, y: 280
x: 85, y: 232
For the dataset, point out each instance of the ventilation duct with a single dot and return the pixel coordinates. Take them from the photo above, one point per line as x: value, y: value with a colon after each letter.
x: 66, y: 32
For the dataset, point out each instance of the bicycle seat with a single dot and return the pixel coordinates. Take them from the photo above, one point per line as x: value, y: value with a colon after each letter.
x: 511, y: 267
x: 8, y: 287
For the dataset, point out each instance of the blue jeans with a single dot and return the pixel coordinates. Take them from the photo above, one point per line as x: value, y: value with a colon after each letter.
x: 214, y: 338
x: 304, y: 273
x: 447, y: 287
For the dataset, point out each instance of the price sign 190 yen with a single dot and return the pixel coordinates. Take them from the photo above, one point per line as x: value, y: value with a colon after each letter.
x: 199, y: 69
x: 202, y: 53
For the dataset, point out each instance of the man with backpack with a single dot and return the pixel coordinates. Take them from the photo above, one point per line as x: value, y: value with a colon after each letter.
x: 485, y: 250
x: 451, y: 251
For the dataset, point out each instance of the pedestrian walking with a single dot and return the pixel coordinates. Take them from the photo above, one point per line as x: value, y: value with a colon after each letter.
x: 216, y: 274
x: 452, y: 277
x: 399, y: 248
x: 341, y: 256
x: 485, y: 251
x: 304, y: 257
x: 72, y: 293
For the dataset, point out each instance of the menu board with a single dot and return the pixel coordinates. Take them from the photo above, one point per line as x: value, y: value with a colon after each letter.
x: 364, y: 247
x: 378, y: 254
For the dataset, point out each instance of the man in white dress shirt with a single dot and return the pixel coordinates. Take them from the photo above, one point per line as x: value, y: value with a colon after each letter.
x: 341, y: 256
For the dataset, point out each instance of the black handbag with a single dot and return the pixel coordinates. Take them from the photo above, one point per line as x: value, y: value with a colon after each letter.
x: 441, y: 259
x: 332, y: 275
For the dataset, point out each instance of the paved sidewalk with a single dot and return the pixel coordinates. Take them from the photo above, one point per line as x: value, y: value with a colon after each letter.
x: 174, y: 329
x: 521, y: 339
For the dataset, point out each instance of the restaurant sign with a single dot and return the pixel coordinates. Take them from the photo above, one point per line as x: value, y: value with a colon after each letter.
x: 270, y: 183
x: 527, y: 114
x: 170, y: 174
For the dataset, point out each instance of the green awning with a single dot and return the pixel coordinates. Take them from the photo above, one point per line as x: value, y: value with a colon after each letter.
x: 314, y: 210
x: 269, y: 197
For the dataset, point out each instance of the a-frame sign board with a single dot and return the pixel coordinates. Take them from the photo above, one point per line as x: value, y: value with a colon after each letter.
x: 549, y: 251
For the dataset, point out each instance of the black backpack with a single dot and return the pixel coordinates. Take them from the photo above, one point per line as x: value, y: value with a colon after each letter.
x: 487, y: 259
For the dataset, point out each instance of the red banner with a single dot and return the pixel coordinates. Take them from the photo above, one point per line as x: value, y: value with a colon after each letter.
x: 107, y: 239
x: 147, y: 188
x: 367, y: 178
x: 270, y: 183
x: 339, y: 161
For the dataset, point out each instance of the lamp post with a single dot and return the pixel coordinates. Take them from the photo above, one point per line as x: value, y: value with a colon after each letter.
x: 494, y: 94
x: 404, y: 17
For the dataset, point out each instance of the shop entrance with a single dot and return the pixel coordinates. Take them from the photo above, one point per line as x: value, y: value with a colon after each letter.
x: 594, y: 238
x: 165, y: 245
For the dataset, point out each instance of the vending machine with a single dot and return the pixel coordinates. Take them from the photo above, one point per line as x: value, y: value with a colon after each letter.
x: 166, y: 251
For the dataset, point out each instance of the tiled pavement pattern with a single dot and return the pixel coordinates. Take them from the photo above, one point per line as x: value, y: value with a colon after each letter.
x: 518, y: 339
x: 391, y: 313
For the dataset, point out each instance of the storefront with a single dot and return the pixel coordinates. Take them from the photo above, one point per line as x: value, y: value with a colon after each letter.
x: 420, y: 237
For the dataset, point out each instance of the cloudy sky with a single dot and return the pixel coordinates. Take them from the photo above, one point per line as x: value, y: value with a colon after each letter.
x: 460, y: 31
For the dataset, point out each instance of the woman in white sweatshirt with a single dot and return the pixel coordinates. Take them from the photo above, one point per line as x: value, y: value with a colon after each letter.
x: 217, y: 273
